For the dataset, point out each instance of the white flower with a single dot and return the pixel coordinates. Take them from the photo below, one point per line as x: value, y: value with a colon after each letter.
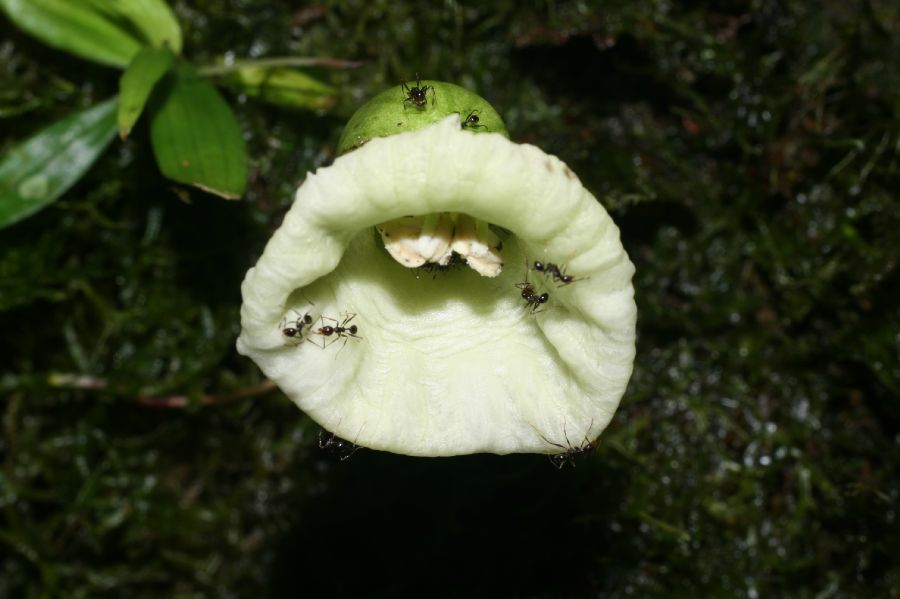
x: 455, y: 362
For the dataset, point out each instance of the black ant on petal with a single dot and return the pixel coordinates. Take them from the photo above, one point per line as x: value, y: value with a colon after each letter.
x: 531, y: 297
x: 471, y: 121
x: 339, y: 330
x: 293, y: 330
x: 558, y: 273
x: 418, y: 95
x: 569, y: 451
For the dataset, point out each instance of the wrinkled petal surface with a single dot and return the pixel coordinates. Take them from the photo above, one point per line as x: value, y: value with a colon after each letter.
x: 457, y: 363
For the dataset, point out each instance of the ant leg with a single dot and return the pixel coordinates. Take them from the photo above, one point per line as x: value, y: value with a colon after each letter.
x: 569, y: 455
x: 297, y: 322
x: 352, y: 451
x: 320, y: 335
x: 586, y: 440
x: 330, y: 440
x: 322, y: 345
x: 546, y: 440
x: 558, y: 460
x: 303, y: 293
x: 343, y: 345
x: 330, y: 341
x: 355, y: 446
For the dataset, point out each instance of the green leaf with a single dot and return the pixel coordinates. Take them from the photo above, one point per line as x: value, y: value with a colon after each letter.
x: 282, y: 86
x: 106, y: 31
x: 153, y: 19
x: 138, y: 80
x: 74, y: 26
x: 196, y: 137
x: 41, y: 169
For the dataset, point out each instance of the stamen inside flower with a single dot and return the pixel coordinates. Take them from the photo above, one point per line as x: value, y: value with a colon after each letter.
x: 414, y: 241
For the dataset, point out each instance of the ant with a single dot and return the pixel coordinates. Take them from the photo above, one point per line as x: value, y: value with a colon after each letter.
x: 336, y: 445
x: 559, y: 274
x: 531, y: 297
x: 294, y: 329
x: 471, y: 121
x: 569, y: 451
x: 339, y: 330
x: 417, y: 95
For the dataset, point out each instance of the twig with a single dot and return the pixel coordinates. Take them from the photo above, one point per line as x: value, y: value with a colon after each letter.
x: 279, y: 61
x: 183, y: 401
x: 91, y: 383
x: 77, y: 381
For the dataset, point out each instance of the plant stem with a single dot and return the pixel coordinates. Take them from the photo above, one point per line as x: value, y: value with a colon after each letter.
x: 89, y: 383
x: 278, y: 61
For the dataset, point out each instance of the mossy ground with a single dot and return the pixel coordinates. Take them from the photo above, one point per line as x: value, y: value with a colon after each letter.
x: 750, y: 152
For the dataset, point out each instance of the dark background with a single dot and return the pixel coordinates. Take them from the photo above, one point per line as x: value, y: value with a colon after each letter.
x: 748, y: 150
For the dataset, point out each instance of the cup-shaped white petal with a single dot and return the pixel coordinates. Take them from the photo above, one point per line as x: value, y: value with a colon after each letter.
x: 456, y: 363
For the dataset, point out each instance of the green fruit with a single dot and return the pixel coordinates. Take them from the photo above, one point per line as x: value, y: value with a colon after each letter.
x: 396, y: 111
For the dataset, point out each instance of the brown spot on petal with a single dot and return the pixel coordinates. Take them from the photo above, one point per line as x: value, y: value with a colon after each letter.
x: 568, y: 172
x: 549, y: 166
